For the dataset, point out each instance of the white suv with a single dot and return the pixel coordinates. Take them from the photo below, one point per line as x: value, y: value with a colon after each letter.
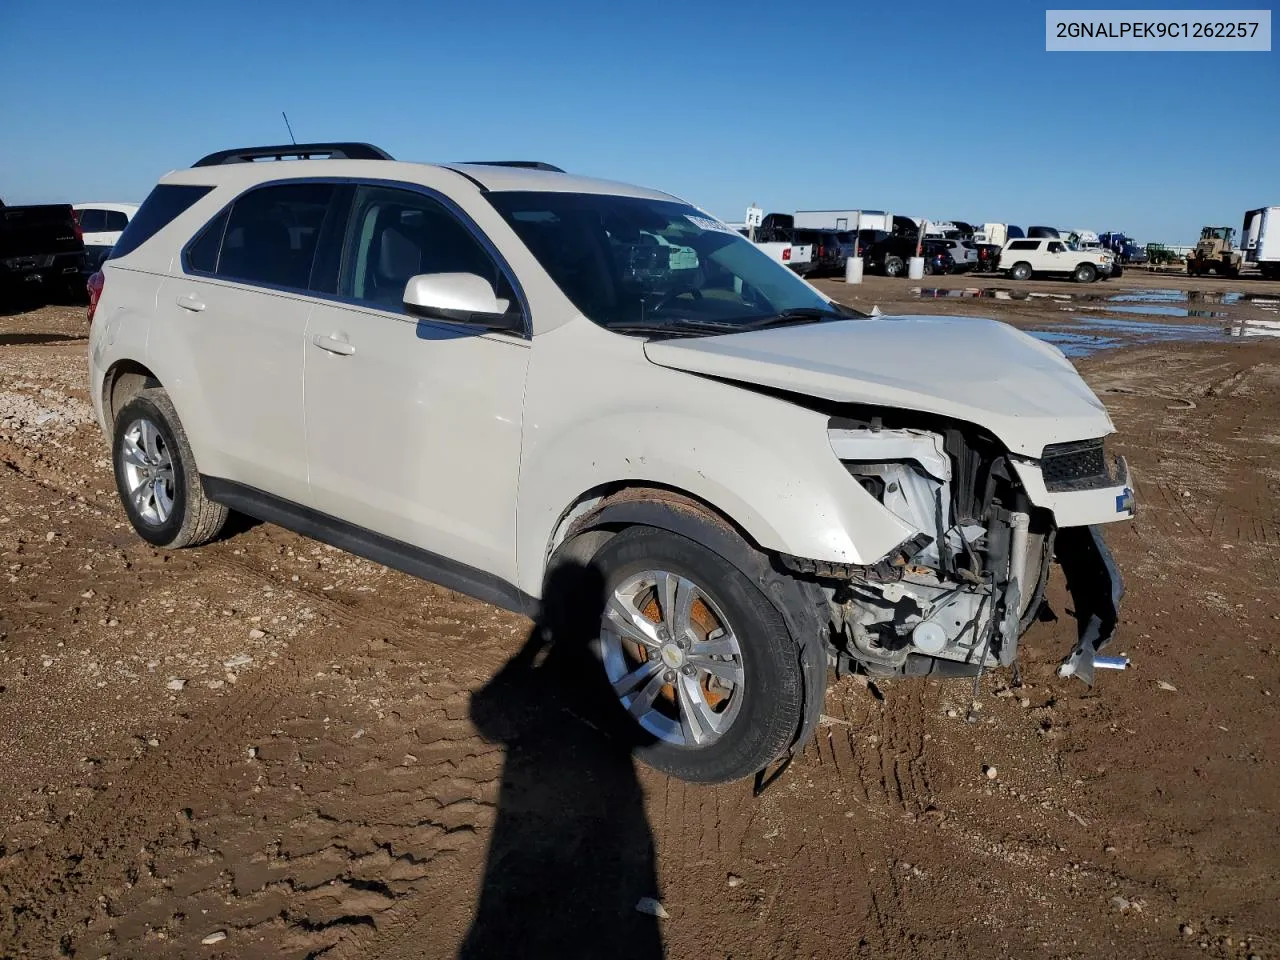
x: 102, y: 224
x: 1023, y: 259
x: 600, y: 403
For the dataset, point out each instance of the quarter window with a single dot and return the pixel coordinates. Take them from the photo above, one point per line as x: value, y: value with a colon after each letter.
x: 116, y: 220
x: 271, y: 235
x: 162, y: 205
x: 1057, y: 247
x: 397, y: 234
x: 1023, y: 245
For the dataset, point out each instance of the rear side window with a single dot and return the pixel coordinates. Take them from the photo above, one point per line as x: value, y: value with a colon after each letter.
x: 1023, y: 245
x: 162, y: 205
x: 271, y: 235
x: 116, y: 220
x: 92, y: 221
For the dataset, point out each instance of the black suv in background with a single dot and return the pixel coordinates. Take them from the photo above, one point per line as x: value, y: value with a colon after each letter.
x: 830, y: 251
x: 41, y: 251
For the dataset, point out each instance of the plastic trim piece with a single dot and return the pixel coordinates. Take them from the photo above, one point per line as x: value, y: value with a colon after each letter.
x: 372, y: 546
x: 299, y: 151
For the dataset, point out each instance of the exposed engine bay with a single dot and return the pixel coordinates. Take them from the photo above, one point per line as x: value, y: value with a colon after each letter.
x: 956, y: 597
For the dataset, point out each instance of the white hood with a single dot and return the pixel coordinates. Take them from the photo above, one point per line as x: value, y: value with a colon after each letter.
x: 979, y: 371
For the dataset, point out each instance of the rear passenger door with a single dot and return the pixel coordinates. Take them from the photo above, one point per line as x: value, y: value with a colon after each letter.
x: 241, y: 306
x: 413, y: 425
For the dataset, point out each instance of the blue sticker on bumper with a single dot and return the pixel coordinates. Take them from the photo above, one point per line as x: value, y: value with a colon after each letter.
x: 1124, y: 501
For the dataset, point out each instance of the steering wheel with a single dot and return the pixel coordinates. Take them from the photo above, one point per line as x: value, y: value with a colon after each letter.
x: 674, y: 293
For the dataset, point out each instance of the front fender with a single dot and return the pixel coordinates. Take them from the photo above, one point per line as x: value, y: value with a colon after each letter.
x: 764, y: 463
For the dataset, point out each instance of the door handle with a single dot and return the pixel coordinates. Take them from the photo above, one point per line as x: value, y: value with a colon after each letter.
x: 191, y: 302
x: 334, y: 345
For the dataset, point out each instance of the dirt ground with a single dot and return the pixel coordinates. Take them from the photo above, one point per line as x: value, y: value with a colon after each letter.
x: 269, y: 748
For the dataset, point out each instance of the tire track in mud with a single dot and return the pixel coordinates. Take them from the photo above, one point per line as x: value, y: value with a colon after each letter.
x: 378, y: 841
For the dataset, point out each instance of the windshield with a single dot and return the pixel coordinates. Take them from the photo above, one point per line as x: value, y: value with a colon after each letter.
x: 629, y: 262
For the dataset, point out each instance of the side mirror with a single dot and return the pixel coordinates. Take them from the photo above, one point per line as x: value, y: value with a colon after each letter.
x: 460, y: 298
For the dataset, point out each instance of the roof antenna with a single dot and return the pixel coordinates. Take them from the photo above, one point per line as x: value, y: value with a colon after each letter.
x: 292, y: 139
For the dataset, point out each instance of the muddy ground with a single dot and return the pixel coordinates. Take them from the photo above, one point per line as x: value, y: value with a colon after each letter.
x: 286, y: 751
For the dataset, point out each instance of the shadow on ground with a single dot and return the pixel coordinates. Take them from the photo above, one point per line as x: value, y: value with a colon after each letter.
x: 571, y: 852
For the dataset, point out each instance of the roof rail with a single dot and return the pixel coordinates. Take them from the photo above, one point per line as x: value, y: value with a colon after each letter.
x: 300, y: 151
x: 527, y: 164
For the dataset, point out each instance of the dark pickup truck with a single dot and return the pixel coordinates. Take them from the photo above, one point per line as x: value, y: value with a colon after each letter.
x: 41, y: 247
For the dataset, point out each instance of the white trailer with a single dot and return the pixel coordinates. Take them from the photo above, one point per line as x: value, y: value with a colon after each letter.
x: 1260, y: 240
x: 844, y: 220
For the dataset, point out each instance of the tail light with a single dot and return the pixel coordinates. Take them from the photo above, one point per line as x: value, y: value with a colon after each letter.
x: 821, y: 251
x: 94, y: 286
x: 786, y: 254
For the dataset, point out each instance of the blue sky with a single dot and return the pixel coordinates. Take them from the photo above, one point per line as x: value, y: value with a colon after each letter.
x: 944, y: 109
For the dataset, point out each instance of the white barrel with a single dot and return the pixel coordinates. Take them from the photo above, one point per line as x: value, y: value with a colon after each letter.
x: 853, y: 270
x: 915, y: 268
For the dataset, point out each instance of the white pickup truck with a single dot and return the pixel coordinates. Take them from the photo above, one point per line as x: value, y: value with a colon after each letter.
x: 773, y: 236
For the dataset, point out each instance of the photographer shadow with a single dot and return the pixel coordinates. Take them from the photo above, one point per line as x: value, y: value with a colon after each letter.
x: 571, y: 852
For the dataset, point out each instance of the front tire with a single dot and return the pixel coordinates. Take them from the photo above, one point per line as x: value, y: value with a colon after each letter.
x: 706, y: 674
x: 156, y: 475
x: 1085, y: 273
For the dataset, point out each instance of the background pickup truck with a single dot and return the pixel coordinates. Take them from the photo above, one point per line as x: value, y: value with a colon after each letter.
x: 776, y: 237
x: 41, y: 248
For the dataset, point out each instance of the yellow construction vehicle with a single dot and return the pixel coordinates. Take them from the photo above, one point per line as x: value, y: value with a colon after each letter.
x: 1215, y: 254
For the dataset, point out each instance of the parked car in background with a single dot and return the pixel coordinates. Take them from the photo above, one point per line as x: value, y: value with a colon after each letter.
x: 1043, y: 232
x: 828, y: 253
x: 777, y: 230
x: 101, y: 225
x: 938, y: 257
x: 1260, y: 240
x: 41, y: 249
x: 888, y: 253
x: 1126, y: 249
x: 964, y: 253
x: 1048, y: 256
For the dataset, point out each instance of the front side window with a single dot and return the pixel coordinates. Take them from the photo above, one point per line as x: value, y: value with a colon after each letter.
x: 394, y: 235
x: 631, y: 262
x: 271, y: 235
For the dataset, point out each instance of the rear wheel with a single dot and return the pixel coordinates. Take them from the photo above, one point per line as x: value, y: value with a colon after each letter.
x: 706, y: 674
x: 1085, y: 273
x: 1021, y: 271
x: 893, y: 266
x: 157, y: 477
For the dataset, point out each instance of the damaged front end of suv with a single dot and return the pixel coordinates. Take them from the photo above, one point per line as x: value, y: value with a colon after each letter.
x: 955, y: 597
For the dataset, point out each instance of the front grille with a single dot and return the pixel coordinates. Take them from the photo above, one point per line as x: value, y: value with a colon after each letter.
x: 1081, y: 465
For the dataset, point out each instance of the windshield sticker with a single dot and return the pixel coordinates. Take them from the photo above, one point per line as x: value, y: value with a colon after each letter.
x: 708, y: 223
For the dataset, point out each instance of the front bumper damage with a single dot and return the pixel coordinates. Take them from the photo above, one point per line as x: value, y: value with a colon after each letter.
x: 1096, y: 589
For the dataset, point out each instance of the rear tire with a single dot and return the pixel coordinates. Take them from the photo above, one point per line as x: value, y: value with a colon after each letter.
x: 1020, y: 271
x: 157, y: 477
x: 893, y: 267
x: 727, y: 610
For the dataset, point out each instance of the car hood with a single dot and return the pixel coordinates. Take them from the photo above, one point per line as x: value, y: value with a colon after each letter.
x: 979, y: 371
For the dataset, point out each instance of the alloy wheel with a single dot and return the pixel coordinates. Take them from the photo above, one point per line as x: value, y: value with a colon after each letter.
x: 673, y: 658
x: 148, y: 472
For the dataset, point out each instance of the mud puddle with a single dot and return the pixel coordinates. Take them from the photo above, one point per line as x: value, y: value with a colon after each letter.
x: 1155, y: 301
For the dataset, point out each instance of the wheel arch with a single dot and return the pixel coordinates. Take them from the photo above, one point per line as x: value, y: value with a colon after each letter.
x: 124, y: 380
x: 600, y: 513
